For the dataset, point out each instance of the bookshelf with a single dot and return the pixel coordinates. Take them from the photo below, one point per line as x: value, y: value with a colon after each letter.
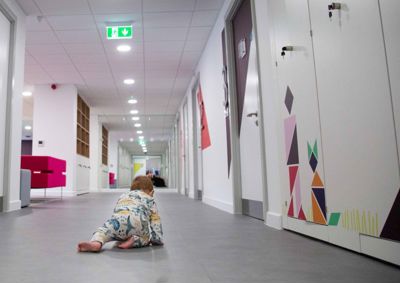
x: 104, y: 151
x: 83, y: 128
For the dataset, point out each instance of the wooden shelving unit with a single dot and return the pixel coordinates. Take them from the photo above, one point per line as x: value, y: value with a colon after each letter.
x: 104, y: 151
x: 83, y: 129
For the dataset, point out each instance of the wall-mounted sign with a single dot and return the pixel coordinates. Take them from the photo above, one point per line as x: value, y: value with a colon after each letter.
x: 119, y: 32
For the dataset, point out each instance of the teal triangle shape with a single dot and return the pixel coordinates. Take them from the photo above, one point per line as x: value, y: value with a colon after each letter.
x: 309, y: 150
x: 315, y: 150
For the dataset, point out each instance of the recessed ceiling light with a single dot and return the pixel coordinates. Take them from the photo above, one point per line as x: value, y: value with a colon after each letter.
x: 123, y: 119
x: 27, y: 93
x: 124, y: 48
x: 131, y: 139
x: 135, y: 118
x: 28, y: 128
x: 138, y: 125
x: 133, y: 112
x: 141, y: 137
x: 145, y: 150
x: 151, y: 139
x: 121, y: 140
x: 139, y: 132
x: 129, y: 81
x: 132, y: 101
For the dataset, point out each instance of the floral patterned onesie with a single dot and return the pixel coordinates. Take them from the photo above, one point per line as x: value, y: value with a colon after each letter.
x: 134, y: 215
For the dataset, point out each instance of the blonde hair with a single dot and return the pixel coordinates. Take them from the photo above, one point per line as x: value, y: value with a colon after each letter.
x: 142, y: 183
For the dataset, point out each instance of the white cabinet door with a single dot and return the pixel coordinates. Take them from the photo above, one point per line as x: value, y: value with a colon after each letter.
x: 4, y: 55
x: 358, y: 133
x: 303, y: 177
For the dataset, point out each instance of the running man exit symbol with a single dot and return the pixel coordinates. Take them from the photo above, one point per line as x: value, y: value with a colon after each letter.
x: 119, y: 32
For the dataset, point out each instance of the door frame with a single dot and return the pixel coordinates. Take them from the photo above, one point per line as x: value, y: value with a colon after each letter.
x: 197, y: 151
x: 4, y: 200
x: 236, y: 163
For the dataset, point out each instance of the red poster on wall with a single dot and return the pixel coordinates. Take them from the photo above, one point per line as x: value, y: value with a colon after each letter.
x: 205, y: 134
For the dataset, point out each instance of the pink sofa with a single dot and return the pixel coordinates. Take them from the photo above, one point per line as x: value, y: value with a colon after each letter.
x: 46, y: 171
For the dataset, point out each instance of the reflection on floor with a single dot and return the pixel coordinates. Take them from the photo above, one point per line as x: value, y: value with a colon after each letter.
x: 203, y: 244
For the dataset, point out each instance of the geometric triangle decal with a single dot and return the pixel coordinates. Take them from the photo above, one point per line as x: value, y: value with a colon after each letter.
x: 292, y: 176
x: 318, y: 217
x: 334, y: 219
x: 302, y: 216
x: 289, y: 100
x: 315, y: 150
x: 290, y: 211
x: 317, y: 182
x: 309, y: 150
x: 137, y: 167
x: 391, y: 229
x: 294, y: 151
x: 320, y: 197
x: 313, y: 162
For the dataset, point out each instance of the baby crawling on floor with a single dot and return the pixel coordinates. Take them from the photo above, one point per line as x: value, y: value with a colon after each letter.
x: 135, y: 221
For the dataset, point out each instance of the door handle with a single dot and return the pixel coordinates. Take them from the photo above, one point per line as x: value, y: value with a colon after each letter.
x: 285, y: 49
x: 255, y: 114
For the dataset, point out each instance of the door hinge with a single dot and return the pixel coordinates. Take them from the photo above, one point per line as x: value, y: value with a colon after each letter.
x: 311, y: 33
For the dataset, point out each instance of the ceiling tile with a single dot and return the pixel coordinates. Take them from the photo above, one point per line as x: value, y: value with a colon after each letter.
x: 164, y: 46
x: 72, y: 22
x: 29, y: 60
x: 195, y: 45
x: 62, y: 7
x: 46, y: 59
x: 168, y: 5
x: 84, y: 48
x: 40, y: 37
x: 78, y: 36
x: 37, y: 23
x: 167, y: 34
x: 172, y: 19
x: 209, y: 4
x: 29, y: 7
x: 115, y: 6
x: 104, y: 19
x: 89, y: 59
x: 199, y: 33
x: 49, y: 49
x: 84, y: 67
x: 204, y: 18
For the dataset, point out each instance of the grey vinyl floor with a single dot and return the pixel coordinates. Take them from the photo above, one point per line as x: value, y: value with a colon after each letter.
x: 203, y: 244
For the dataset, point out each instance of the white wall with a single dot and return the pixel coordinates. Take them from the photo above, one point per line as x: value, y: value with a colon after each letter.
x: 270, y: 105
x: 113, y: 153
x: 54, y: 116
x: 12, y: 173
x: 124, y: 167
x: 217, y: 186
x: 95, y: 154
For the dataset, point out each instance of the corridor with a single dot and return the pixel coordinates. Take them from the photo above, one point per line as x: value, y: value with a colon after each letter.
x: 203, y: 245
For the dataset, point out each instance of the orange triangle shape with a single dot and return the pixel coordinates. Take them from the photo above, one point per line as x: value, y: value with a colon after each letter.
x: 317, y: 182
x: 318, y: 217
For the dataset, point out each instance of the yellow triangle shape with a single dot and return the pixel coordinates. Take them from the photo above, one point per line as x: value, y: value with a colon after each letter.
x: 317, y: 182
x: 137, y: 167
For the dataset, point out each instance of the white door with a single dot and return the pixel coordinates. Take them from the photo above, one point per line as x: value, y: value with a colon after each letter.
x: 303, y: 191
x: 197, y: 151
x: 186, y: 148
x: 4, y: 55
x: 358, y: 131
x: 247, y: 90
x: 391, y: 23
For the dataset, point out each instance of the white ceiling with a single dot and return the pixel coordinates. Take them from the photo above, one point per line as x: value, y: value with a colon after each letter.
x: 66, y: 44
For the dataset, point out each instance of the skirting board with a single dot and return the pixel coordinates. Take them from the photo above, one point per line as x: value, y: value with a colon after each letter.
x: 225, y: 206
x: 386, y: 250
x: 274, y: 220
x: 56, y: 193
x: 14, y: 205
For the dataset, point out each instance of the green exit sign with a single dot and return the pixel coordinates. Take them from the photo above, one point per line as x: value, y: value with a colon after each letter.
x: 119, y: 32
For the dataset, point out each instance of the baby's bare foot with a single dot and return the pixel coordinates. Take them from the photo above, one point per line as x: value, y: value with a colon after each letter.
x: 89, y: 246
x: 126, y: 244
